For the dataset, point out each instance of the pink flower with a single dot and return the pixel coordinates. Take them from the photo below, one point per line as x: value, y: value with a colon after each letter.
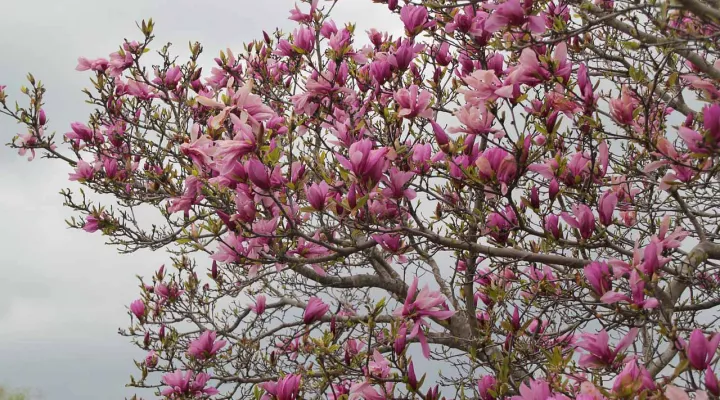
x: 379, y: 366
x: 599, y: 353
x: 623, y: 109
x: 151, y: 359
x: 92, y: 224
x: 511, y: 13
x: 699, y: 350
x: 396, y: 185
x: 711, y: 122
x: 365, y: 391
x: 483, y: 86
x: 258, y: 174
x: 711, y: 382
x: 415, y: 19
x: 317, y: 194
x: 367, y: 164
x: 632, y: 380
x: 183, y: 386
x: 192, y: 195
x: 286, y: 388
x: 260, y: 303
x: 584, y: 220
x: 537, y: 390
x: 606, y: 207
x: 552, y: 225
x: 83, y: 172
x: 413, y: 102
x: 138, y: 308
x: 400, y: 339
x: 299, y: 16
x: 425, y: 304
x: 598, y: 276
x: 314, y: 310
x: 485, y: 385
x: 205, y: 346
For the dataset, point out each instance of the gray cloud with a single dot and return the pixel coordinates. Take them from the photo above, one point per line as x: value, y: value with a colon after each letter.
x: 62, y: 292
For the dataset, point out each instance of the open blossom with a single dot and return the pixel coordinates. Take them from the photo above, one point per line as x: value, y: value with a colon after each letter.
x: 365, y: 162
x: 206, y: 346
x: 83, y: 172
x: 396, y: 184
x: 598, y: 276
x: 317, y: 195
x: 413, y: 102
x: 511, y: 13
x: 379, y: 366
x: 420, y: 305
x: 623, y: 109
x: 182, y: 386
x: 699, y: 350
x: 314, y: 310
x: 583, y: 220
x: 365, y: 391
x: 415, y: 18
x: 537, y: 389
x: 597, y: 348
x: 632, y: 380
x: 192, y: 195
x: 285, y: 388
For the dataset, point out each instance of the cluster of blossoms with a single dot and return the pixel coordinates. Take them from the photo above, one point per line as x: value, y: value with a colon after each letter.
x: 501, y: 189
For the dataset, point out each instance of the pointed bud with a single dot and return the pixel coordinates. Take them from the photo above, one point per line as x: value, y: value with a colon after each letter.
x: 214, y: 270
x: 441, y: 137
x: 534, y: 197
x: 161, y: 332
x: 42, y: 118
x: 554, y: 189
x: 412, y: 379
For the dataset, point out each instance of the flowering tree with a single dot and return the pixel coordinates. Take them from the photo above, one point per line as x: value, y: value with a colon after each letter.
x: 524, y: 193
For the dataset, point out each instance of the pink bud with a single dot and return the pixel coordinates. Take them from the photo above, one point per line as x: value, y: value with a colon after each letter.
x: 42, y: 118
x: 214, y: 270
x: 412, y: 379
x: 554, y: 189
x: 440, y: 136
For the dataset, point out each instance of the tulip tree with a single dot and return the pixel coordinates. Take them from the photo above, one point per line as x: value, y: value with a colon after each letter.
x: 512, y: 199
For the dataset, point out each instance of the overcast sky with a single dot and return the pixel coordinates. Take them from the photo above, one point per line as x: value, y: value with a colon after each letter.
x: 63, y: 293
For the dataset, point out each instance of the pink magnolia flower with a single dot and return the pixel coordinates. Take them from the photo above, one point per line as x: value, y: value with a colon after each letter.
x: 98, y: 65
x: 317, y: 195
x: 483, y: 86
x: 138, y: 308
x: 260, y: 303
x: 396, y: 184
x: 365, y: 391
x: 711, y: 123
x: 83, y: 172
x: 415, y: 19
x: 92, y: 224
x: 583, y: 220
x: 485, y: 385
x: 637, y: 287
x: 552, y: 225
x: 537, y: 389
x: 191, y: 196
x: 497, y: 163
x: 420, y: 305
x: 606, y: 207
x: 599, y: 353
x: 413, y: 102
x: 365, y: 163
x: 711, y: 382
x: 699, y: 350
x: 511, y: 13
x: 299, y: 16
x: 379, y: 366
x: 314, y: 310
x: 205, y: 346
x: 673, y: 392
x: 151, y: 360
x: 476, y: 120
x: 598, y: 276
x: 623, y: 109
x: 285, y: 388
x: 633, y: 380
x: 181, y: 386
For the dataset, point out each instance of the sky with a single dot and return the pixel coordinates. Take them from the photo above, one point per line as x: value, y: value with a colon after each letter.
x: 63, y: 293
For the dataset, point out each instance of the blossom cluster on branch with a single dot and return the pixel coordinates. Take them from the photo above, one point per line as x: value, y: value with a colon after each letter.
x: 524, y: 192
